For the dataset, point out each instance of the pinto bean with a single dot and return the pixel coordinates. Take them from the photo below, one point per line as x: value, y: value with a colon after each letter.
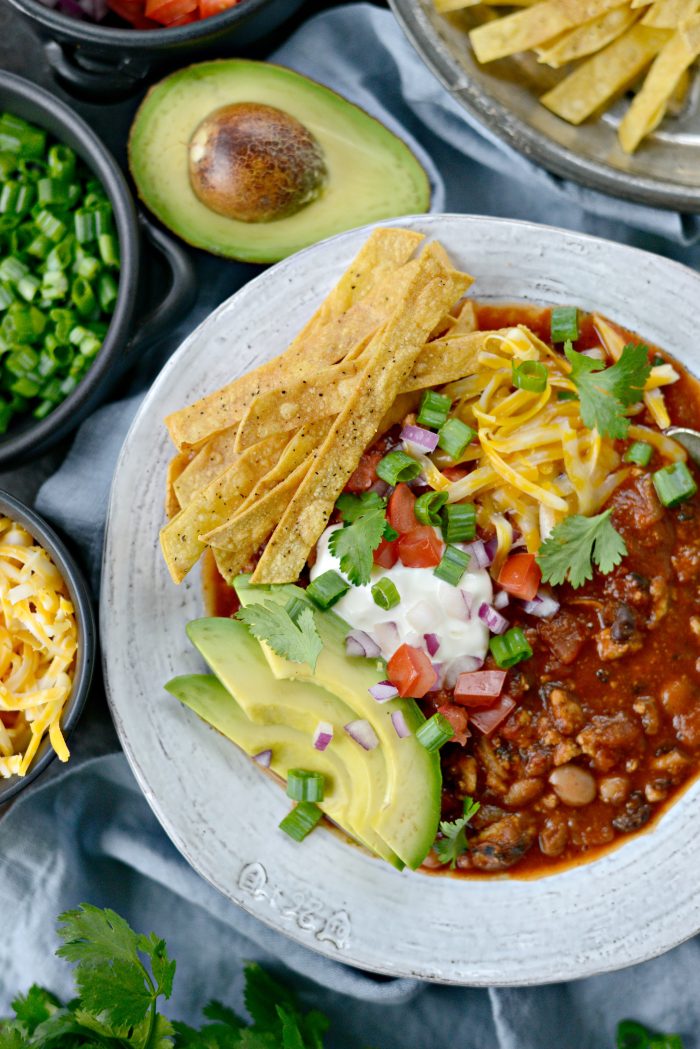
x: 573, y: 785
x: 554, y: 835
x: 614, y: 790
x: 522, y: 792
x: 502, y: 844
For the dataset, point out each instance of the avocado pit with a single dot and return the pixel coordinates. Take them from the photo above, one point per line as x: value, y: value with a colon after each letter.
x: 255, y: 163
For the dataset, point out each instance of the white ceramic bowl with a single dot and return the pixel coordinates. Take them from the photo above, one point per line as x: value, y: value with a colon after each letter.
x: 633, y: 903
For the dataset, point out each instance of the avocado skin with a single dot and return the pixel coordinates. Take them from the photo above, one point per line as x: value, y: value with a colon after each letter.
x: 371, y: 173
x: 409, y: 819
x: 236, y: 658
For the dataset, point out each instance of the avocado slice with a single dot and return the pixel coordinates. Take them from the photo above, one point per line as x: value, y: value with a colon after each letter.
x: 370, y: 174
x: 409, y: 816
x: 207, y: 697
x: 236, y: 658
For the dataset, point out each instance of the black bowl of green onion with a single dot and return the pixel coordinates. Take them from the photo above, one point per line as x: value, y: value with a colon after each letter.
x: 70, y: 257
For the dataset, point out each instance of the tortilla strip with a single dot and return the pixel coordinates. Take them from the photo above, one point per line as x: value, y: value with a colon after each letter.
x: 176, y: 466
x: 211, y: 460
x: 389, y: 361
x: 534, y: 26
x: 440, y: 361
x: 595, y: 82
x: 333, y: 330
x: 651, y: 102
x: 669, y: 14
x: 240, y: 537
x: 588, y: 38
x: 443, y: 6
x: 212, y: 506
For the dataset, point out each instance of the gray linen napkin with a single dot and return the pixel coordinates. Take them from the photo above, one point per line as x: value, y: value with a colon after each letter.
x: 84, y: 832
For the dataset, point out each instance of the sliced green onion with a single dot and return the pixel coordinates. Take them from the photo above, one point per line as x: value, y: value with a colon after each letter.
x: 531, y: 376
x: 21, y: 361
x: 103, y: 218
x: 434, y: 409
x: 459, y: 522
x: 327, y: 588
x: 301, y: 820
x: 90, y: 346
x: 454, y: 436
x: 640, y: 453
x: 453, y: 565
x: 61, y: 256
x: 427, y: 507
x: 510, y: 648
x: 398, y: 467
x: 107, y: 292
x: 109, y: 249
x: 40, y: 246
x: 564, y: 324
x: 54, y: 284
x: 6, y: 297
x: 87, y: 266
x: 28, y: 286
x: 61, y: 162
x: 83, y: 296
x: 52, y: 192
x: 84, y: 222
x: 21, y: 138
x: 305, y: 786
x: 435, y: 732
x: 12, y: 269
x: 674, y: 484
x: 385, y: 594
x: 6, y: 413
x: 25, y: 386
x: 50, y: 226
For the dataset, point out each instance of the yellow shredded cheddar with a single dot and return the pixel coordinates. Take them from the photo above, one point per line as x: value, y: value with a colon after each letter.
x: 38, y: 646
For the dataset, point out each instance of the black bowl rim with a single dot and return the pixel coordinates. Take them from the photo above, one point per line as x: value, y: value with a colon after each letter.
x: 138, y: 39
x: 98, y: 158
x: 87, y: 632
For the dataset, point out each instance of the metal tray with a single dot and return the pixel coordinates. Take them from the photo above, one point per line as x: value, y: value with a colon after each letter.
x: 503, y: 96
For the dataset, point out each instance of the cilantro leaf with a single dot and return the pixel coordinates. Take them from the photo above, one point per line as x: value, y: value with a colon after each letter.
x: 34, y: 1007
x: 117, y: 992
x: 295, y: 639
x: 575, y: 544
x: 90, y: 934
x: 454, y: 842
x: 355, y: 544
x: 605, y: 393
x: 13, y: 1035
x: 263, y: 994
x: 222, y: 1014
x: 351, y: 505
x: 162, y: 967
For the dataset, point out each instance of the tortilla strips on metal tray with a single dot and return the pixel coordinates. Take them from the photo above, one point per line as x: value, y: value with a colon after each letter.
x: 327, y: 392
x: 357, y: 306
x: 211, y: 507
x: 434, y: 289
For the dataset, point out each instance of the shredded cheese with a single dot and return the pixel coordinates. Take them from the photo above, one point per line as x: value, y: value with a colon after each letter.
x: 38, y: 646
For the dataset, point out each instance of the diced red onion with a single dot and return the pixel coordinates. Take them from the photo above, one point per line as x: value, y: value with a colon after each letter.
x: 399, y: 722
x: 491, y: 546
x: 501, y: 599
x: 489, y: 720
x: 419, y: 439
x: 496, y: 623
x: 432, y: 643
x: 359, y: 643
x: 263, y: 758
x: 478, y: 553
x: 323, y: 735
x: 468, y: 600
x: 387, y: 635
x: 363, y: 733
x: 380, y: 487
x: 383, y: 692
x: 461, y: 665
x: 438, y: 682
x: 543, y: 606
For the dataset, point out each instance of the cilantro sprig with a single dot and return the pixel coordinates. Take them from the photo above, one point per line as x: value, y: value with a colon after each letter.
x: 606, y: 393
x: 354, y: 545
x: 120, y: 976
x: 351, y: 505
x: 578, y: 542
x: 454, y: 841
x: 293, y: 637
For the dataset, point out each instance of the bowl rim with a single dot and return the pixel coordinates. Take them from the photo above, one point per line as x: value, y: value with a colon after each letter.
x: 535, y: 145
x: 33, y: 436
x: 79, y: 593
x: 137, y: 39
x: 648, y: 939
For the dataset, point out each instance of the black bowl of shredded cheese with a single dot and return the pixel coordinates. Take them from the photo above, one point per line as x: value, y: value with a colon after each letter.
x: 47, y: 646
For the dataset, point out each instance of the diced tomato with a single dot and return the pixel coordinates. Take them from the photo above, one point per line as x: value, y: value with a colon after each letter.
x: 420, y: 548
x: 520, y: 576
x: 458, y: 719
x: 214, y: 7
x: 479, y: 688
x: 455, y: 473
x: 185, y: 20
x: 489, y: 720
x: 132, y: 11
x: 411, y: 672
x: 365, y: 473
x: 167, y: 11
x: 387, y: 553
x: 400, y: 510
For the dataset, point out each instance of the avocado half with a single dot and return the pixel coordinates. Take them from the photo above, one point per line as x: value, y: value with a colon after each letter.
x: 370, y: 174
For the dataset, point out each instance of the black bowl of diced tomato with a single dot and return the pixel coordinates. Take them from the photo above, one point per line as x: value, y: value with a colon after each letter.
x: 104, y: 50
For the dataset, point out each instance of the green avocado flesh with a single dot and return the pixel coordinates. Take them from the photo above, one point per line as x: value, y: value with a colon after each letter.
x: 372, y: 175
x: 407, y: 820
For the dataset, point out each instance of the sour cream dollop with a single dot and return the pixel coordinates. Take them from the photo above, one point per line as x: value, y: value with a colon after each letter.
x: 428, y: 606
